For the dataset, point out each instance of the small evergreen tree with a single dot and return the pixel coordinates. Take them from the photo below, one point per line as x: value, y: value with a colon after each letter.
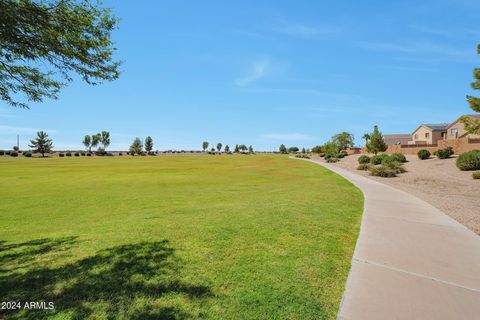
x: 148, y: 144
x: 282, y: 149
x: 205, y: 145
x: 376, y: 143
x: 87, y: 142
x: 136, y: 147
x: 250, y: 149
x: 219, y: 147
x: 472, y: 125
x: 303, y: 150
x: 227, y: 149
x: 41, y: 144
x: 237, y: 149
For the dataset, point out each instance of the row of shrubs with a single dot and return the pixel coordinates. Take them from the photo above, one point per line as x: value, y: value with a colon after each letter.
x: 383, y: 165
x: 302, y: 156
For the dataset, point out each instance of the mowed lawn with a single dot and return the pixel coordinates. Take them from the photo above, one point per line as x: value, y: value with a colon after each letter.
x: 180, y: 237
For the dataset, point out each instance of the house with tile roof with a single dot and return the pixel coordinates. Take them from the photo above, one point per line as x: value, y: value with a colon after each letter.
x: 429, y: 133
x: 456, y: 130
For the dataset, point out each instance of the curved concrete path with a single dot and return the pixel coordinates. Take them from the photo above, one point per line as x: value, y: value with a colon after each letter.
x: 411, y: 260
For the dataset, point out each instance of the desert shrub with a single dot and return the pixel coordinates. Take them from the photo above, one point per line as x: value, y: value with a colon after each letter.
x: 120, y: 154
x: 331, y: 159
x: 444, y: 153
x: 342, y: 154
x: 476, y: 175
x: 2, y: 152
x: 423, y: 154
x: 61, y: 155
x: 302, y: 156
x: 364, y: 166
x: 321, y: 155
x: 383, y: 171
x: 398, y: 157
x: 378, y: 159
x: 14, y: 154
x: 76, y: 154
x: 364, y: 159
x: 27, y: 154
x: 68, y: 154
x: 469, y: 161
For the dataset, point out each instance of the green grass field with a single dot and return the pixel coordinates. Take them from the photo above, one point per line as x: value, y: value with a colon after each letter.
x: 215, y: 237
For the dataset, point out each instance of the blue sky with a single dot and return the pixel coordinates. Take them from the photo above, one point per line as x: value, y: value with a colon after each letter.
x: 267, y: 72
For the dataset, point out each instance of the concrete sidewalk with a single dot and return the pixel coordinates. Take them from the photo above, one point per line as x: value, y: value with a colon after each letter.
x: 411, y: 260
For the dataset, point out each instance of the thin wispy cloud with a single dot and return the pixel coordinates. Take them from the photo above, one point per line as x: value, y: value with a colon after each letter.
x: 420, y: 48
x: 258, y: 70
x: 301, y: 30
x: 19, y: 130
x: 287, y: 136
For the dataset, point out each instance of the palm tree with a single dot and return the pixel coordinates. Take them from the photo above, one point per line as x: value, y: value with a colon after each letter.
x: 366, y: 136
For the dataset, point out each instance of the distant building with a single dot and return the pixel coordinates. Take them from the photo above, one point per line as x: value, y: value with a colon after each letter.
x: 429, y: 133
x: 393, y: 139
x: 457, y: 129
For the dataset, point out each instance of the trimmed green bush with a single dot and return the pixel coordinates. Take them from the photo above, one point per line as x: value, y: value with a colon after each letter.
x: 2, y: 152
x: 398, y: 157
x: 83, y: 154
x: 444, y: 153
x: 27, y: 154
x: 89, y: 154
x: 364, y: 166
x: 302, y: 156
x: 378, y: 158
x: 469, y: 161
x: 14, y: 154
x: 383, y: 171
x: 363, y: 159
x: 476, y: 175
x: 68, y: 154
x: 61, y: 155
x: 76, y: 154
x: 423, y: 154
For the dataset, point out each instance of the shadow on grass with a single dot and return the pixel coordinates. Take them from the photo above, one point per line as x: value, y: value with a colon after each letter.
x: 136, y: 281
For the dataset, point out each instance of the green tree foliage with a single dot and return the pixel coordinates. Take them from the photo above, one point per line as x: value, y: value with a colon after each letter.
x: 136, y: 147
x: 237, y: 149
x: 205, y: 145
x: 219, y: 147
x: 376, y: 143
x: 42, y: 144
x: 366, y: 137
x: 87, y: 142
x: 105, y: 139
x: 472, y: 125
x: 250, y: 149
x: 343, y: 140
x: 42, y: 42
x: 242, y: 147
x: 95, y: 140
x: 282, y: 149
x: 148, y: 144
x: 304, y: 150
x: 227, y: 149
x: 293, y: 149
x: 317, y: 149
x: 331, y: 149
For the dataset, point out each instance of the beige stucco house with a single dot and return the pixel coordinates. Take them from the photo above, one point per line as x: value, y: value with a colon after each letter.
x: 456, y: 130
x: 429, y: 133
